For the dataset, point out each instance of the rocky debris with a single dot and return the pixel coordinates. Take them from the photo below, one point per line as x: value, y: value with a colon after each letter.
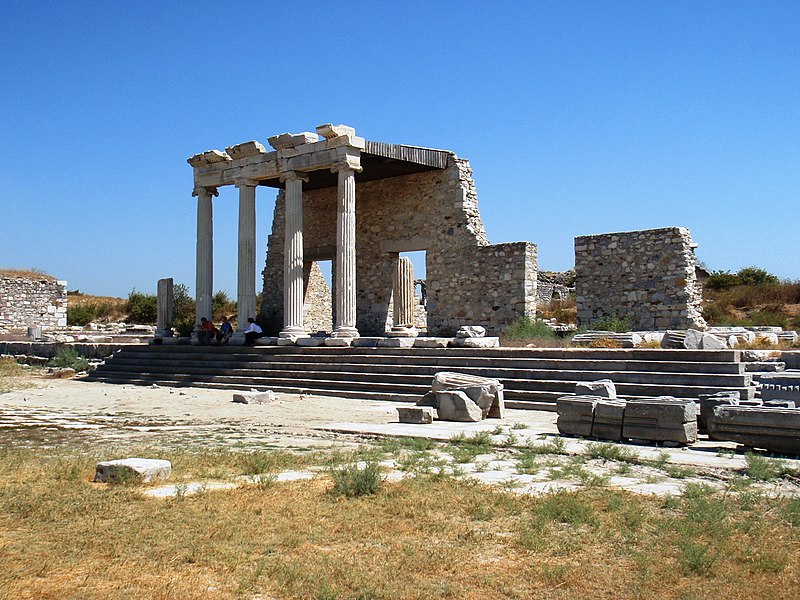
x: 255, y: 397
x: 764, y: 367
x: 418, y: 415
x: 662, y: 419
x: 673, y: 339
x: 485, y: 393
x: 773, y: 429
x: 699, y: 340
x: 602, y: 387
x: 576, y: 414
x: 142, y: 470
x: 626, y: 340
x: 608, y: 418
x: 708, y: 402
x: 455, y: 405
x: 781, y: 386
x: 471, y: 331
x: 476, y: 342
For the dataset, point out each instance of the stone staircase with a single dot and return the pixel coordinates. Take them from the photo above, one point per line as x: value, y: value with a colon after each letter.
x: 533, y: 378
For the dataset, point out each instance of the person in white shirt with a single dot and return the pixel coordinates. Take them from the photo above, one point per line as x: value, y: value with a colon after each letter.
x: 252, y: 333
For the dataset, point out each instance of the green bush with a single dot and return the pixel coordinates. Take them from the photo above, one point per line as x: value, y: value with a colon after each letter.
x: 69, y: 357
x: 526, y: 328
x: 353, y: 480
x: 183, y: 326
x: 612, y: 323
x: 183, y: 304
x: 81, y: 315
x: 142, y: 308
x: 756, y: 276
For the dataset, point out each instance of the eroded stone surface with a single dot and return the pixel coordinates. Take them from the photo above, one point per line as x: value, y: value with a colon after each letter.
x: 126, y: 469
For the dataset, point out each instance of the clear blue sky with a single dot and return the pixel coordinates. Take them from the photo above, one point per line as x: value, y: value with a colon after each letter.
x: 578, y: 118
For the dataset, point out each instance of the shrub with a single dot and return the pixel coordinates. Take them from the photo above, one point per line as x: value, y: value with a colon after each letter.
x: 68, y: 357
x: 222, y: 305
x: 81, y: 315
x: 756, y: 276
x: 142, y: 308
x: 183, y: 326
x: 526, y: 328
x: 354, y: 479
x: 613, y: 323
x: 183, y: 304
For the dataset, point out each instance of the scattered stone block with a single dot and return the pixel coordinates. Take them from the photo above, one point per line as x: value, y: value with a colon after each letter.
x: 419, y: 415
x: 774, y: 429
x: 699, y: 340
x: 576, y: 414
x: 475, y: 342
x: 310, y: 342
x: 471, y: 331
x: 708, y: 402
x: 142, y: 470
x: 255, y: 397
x: 781, y: 386
x: 455, y: 405
x: 662, y: 419
x: 338, y: 341
x: 602, y: 387
x: 608, y: 418
x: 487, y: 393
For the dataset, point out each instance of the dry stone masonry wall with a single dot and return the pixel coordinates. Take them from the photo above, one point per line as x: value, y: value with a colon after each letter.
x: 27, y: 301
x: 647, y: 277
x: 469, y: 281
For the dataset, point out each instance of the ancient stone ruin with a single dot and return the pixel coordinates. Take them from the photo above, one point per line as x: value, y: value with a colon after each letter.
x: 32, y: 301
x: 647, y: 277
x: 384, y: 199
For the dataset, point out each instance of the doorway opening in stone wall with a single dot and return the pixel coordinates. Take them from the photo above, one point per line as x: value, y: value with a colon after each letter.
x: 318, y: 297
x: 417, y: 275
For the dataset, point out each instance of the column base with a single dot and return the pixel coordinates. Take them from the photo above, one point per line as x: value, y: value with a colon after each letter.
x: 293, y: 333
x: 345, y: 332
x: 409, y: 332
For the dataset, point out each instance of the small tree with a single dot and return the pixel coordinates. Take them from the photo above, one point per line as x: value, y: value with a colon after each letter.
x: 141, y: 308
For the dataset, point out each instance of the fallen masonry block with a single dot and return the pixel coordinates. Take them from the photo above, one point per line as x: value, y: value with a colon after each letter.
x: 455, y: 405
x: 138, y: 469
x: 662, y: 419
x: 603, y: 388
x: 475, y: 342
x: 781, y: 386
x: 486, y: 392
x: 708, y: 402
x: 471, y: 331
x: 774, y: 429
x: 608, y: 418
x: 255, y: 397
x: 778, y: 404
x: 626, y: 340
x: 419, y: 415
x: 576, y: 414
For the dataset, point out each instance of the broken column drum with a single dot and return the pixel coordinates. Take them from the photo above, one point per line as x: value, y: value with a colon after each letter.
x: 164, y: 308
x: 404, y: 297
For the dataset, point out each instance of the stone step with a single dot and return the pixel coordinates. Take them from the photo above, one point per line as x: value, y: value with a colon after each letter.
x: 257, y: 360
x: 255, y: 369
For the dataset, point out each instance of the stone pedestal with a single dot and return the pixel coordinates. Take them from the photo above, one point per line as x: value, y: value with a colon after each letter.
x: 204, y: 276
x: 164, y: 314
x: 293, y: 258
x: 345, y: 324
x: 404, y: 300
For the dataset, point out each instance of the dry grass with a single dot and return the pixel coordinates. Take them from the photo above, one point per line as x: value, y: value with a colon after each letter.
x: 26, y: 274
x: 605, y: 343
x: 428, y: 537
x: 13, y: 376
x: 767, y: 304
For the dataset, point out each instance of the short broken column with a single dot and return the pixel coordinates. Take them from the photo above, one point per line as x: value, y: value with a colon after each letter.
x: 576, y: 414
x: 662, y: 419
x: 164, y: 308
x: 404, y: 300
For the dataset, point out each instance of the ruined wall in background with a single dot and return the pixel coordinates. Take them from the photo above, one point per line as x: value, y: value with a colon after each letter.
x: 28, y: 301
x: 647, y: 277
x: 469, y: 281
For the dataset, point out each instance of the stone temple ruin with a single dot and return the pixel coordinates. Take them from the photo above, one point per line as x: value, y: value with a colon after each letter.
x: 408, y: 199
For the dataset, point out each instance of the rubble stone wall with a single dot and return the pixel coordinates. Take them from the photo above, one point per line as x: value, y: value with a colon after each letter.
x: 26, y: 301
x: 318, y: 303
x: 469, y: 281
x: 647, y: 277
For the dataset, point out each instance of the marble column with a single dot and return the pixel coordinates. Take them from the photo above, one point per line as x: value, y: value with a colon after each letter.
x: 293, y: 257
x: 164, y: 308
x: 345, y: 323
x: 204, y: 275
x: 246, y: 274
x: 404, y: 299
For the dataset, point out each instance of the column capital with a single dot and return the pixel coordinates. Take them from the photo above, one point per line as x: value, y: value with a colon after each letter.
x: 245, y: 182
x: 205, y: 191
x: 293, y: 176
x: 352, y: 163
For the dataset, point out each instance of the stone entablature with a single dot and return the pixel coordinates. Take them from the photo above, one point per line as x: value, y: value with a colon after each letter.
x: 39, y: 302
x: 469, y: 281
x: 647, y: 277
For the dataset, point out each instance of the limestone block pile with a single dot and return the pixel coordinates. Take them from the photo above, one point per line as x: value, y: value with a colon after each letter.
x: 458, y: 397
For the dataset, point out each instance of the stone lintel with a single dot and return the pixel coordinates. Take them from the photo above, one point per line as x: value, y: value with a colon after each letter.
x: 251, y: 148
x: 290, y: 140
x: 412, y: 244
x: 329, y: 130
x: 208, y: 157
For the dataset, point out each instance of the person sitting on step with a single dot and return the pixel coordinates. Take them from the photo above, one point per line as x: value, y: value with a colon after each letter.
x: 207, y: 332
x: 252, y: 333
x: 225, y: 331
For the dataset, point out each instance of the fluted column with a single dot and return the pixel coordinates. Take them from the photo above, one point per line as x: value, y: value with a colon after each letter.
x: 345, y: 324
x: 246, y: 274
x: 204, y: 275
x: 293, y: 257
x: 404, y: 299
